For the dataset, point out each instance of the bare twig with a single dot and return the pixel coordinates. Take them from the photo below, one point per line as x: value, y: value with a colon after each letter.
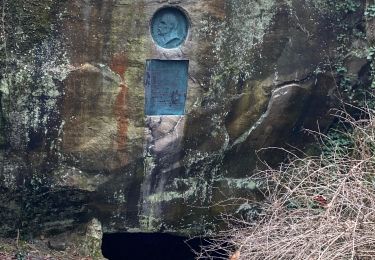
x: 316, y: 207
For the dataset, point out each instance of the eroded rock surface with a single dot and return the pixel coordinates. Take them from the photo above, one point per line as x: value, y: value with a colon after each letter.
x: 76, y: 144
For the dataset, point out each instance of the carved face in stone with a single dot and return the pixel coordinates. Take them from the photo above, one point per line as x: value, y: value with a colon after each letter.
x: 167, y: 30
x: 167, y: 25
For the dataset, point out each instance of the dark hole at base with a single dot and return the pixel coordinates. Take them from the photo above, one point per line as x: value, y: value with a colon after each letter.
x: 153, y: 246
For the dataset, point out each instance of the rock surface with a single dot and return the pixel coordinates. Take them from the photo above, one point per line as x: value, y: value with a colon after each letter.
x: 76, y: 144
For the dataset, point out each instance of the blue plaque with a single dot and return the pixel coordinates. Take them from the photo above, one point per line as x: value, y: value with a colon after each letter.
x: 169, y: 27
x: 165, y: 86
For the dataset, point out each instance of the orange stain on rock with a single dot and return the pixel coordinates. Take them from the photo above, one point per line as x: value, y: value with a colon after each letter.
x: 119, y: 65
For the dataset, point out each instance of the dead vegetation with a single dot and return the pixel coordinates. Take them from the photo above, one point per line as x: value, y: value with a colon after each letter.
x: 37, y: 249
x: 315, y: 207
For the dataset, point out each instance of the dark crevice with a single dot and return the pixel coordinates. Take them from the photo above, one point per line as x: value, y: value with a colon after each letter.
x: 153, y: 246
x: 298, y: 81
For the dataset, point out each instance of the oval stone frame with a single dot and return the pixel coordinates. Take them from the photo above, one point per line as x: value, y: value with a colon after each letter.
x: 169, y: 27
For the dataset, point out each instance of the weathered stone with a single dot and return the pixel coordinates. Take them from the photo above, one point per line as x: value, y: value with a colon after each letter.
x: 86, y: 240
x: 57, y: 245
x: 370, y: 24
x: 92, y: 240
x: 78, y: 143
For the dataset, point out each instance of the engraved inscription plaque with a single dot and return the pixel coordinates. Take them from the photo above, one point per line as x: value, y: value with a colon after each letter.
x: 166, y: 86
x: 169, y: 27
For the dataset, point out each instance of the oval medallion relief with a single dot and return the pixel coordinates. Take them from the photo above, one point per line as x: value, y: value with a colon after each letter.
x: 169, y: 27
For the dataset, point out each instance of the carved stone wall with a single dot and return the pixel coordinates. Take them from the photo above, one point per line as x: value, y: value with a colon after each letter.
x: 75, y: 141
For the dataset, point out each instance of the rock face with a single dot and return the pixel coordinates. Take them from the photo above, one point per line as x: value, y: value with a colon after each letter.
x: 76, y: 144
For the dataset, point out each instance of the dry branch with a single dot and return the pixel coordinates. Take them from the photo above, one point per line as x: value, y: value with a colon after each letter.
x: 316, y: 207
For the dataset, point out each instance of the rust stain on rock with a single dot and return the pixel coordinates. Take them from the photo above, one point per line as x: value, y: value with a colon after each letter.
x: 119, y: 65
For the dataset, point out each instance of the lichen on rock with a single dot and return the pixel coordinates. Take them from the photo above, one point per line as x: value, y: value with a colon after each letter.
x: 76, y: 145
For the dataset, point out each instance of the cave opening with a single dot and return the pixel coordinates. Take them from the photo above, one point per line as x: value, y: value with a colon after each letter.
x: 154, y: 246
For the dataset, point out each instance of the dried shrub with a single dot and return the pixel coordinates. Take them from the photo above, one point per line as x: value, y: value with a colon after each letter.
x: 315, y: 207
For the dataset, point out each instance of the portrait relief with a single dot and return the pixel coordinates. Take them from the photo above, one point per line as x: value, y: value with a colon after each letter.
x: 169, y: 27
